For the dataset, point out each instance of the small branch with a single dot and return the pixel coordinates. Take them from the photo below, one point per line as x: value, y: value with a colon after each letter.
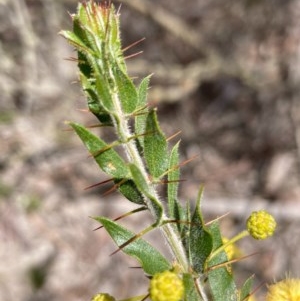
x: 29, y: 57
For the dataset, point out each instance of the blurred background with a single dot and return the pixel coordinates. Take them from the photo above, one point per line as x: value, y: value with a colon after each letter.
x: 226, y: 73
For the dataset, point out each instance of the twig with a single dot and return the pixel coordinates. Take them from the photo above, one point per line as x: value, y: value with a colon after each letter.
x: 29, y: 41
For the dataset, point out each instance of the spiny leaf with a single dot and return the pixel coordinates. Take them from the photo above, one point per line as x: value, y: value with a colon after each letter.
x: 142, y: 91
x: 140, y: 119
x: 126, y: 90
x: 190, y: 293
x: 109, y: 160
x: 246, y: 288
x: 173, y: 177
x: 85, y: 69
x: 99, y: 82
x: 130, y: 191
x: 94, y: 102
x: 185, y: 228
x: 155, y: 147
x: 83, y: 34
x: 75, y: 41
x: 150, y: 259
x: 220, y: 279
x: 200, y: 240
x: 103, y: 90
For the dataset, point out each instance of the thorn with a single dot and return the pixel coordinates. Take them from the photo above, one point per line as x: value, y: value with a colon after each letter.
x: 71, y: 59
x: 217, y: 219
x: 175, y: 167
x: 179, y: 165
x: 98, y: 184
x: 145, y: 297
x: 171, y: 181
x: 140, y: 111
x: 133, y: 238
x: 105, y: 148
x: 68, y: 130
x: 125, y: 215
x: 139, y: 114
x: 187, y: 161
x: 83, y: 110
x: 153, y: 102
x: 243, y: 257
x: 173, y: 136
x: 133, y: 55
x: 223, y: 264
x: 88, y: 126
x: 125, y: 244
x: 133, y: 44
x: 98, y: 228
x: 71, y: 15
x: 114, y: 188
x: 143, y: 134
x: 98, y: 125
x: 175, y: 221
x: 118, y: 10
x: 111, y: 190
x: 255, y: 290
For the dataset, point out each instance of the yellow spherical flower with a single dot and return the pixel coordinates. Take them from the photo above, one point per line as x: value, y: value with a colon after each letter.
x: 166, y: 286
x: 261, y: 224
x: 103, y: 297
x: 285, y: 290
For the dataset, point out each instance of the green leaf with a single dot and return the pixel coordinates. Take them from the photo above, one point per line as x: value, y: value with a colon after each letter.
x: 126, y: 90
x: 173, y: 178
x: 155, y: 147
x: 74, y: 40
x: 82, y: 32
x: 200, y: 240
x: 108, y: 160
x: 190, y: 293
x: 246, y: 288
x: 144, y: 188
x: 130, y: 191
x: 150, y: 259
x: 103, y: 91
x: 142, y: 110
x: 85, y: 69
x: 220, y: 279
x: 99, y: 82
x: 185, y: 227
x: 94, y: 103
x: 143, y: 91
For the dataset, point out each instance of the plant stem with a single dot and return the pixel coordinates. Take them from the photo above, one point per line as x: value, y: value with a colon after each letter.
x: 169, y: 231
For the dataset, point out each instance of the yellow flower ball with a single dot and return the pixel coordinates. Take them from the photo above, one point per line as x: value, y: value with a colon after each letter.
x: 285, y: 290
x: 261, y: 224
x: 166, y: 286
x: 103, y: 297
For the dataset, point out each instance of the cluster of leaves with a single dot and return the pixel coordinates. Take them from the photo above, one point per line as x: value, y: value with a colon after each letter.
x: 117, y: 102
